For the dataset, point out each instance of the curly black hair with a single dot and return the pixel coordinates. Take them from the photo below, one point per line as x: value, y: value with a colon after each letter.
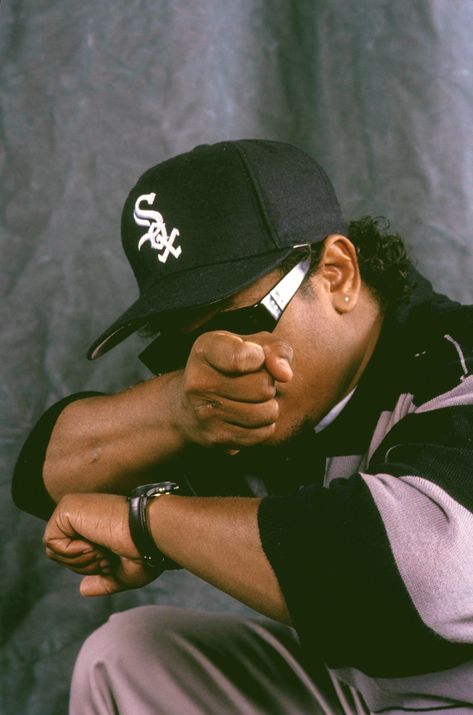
x: 382, y: 258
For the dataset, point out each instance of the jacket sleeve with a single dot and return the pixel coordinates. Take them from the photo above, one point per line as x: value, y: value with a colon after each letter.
x: 28, y: 490
x: 377, y: 569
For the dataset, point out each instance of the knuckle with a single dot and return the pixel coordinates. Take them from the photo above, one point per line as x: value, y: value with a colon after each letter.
x: 273, y: 409
x: 192, y: 382
x: 244, y: 354
x: 236, y: 359
x: 196, y: 380
x: 64, y: 504
x: 208, y: 409
x: 208, y: 340
x: 267, y: 385
x: 200, y: 346
x: 231, y: 353
x: 280, y: 348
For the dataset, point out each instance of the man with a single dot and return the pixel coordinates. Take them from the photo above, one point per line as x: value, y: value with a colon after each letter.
x: 314, y: 403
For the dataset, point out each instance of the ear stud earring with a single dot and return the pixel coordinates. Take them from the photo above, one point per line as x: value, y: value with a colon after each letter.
x: 346, y: 299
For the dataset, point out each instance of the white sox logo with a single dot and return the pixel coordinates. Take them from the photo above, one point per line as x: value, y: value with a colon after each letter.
x: 157, y: 234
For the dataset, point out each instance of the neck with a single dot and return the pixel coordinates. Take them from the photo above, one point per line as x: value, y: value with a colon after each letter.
x: 368, y: 329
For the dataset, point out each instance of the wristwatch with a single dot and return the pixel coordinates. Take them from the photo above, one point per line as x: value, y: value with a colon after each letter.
x: 137, y: 521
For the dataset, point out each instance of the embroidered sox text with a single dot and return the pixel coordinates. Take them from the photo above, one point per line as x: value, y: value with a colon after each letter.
x: 157, y: 234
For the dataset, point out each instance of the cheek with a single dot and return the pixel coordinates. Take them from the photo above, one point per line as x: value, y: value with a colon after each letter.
x: 308, y: 326
x: 318, y: 376
x: 308, y: 390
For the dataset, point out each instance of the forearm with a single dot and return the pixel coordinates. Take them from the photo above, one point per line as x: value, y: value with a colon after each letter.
x: 108, y: 443
x: 217, y: 538
x: 225, y: 398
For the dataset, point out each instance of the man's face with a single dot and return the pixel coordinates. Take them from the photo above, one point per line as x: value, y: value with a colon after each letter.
x: 331, y: 324
x: 322, y: 364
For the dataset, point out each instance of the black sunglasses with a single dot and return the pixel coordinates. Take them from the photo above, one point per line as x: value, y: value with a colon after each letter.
x: 170, y: 349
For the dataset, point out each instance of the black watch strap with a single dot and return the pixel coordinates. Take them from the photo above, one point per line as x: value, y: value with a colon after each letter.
x: 137, y: 520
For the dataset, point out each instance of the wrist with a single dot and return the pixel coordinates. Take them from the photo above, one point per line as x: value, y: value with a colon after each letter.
x: 178, y: 414
x: 154, y: 419
x: 139, y: 503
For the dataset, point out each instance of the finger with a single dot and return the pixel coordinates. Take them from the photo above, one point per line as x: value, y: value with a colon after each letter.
x: 98, y: 585
x: 67, y: 545
x: 126, y: 574
x: 253, y: 387
x: 89, y: 553
x: 228, y: 412
x: 100, y: 568
x: 97, y: 564
x: 83, y: 559
x: 233, y: 437
x: 233, y: 354
x: 228, y: 353
x: 92, y: 570
x: 278, y: 359
x: 78, y: 561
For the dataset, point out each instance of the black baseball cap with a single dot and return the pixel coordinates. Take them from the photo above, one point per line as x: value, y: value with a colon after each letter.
x: 201, y: 226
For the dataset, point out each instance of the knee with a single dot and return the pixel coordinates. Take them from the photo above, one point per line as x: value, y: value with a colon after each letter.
x: 125, y: 645
x: 127, y: 635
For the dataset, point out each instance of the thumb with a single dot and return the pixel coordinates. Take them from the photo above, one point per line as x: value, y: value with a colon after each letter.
x: 278, y: 359
x: 99, y: 586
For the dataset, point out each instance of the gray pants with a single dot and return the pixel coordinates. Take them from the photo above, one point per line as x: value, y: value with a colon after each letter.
x: 160, y: 660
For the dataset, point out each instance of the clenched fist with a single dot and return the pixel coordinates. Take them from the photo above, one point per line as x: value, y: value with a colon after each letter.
x: 227, y: 394
x: 89, y: 534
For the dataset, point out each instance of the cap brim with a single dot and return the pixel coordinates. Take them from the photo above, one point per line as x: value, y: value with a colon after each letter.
x: 202, y: 286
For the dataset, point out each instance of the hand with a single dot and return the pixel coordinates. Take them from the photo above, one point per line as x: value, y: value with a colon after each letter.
x: 89, y: 534
x: 227, y: 391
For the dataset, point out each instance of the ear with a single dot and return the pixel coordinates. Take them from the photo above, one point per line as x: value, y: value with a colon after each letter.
x: 340, y: 272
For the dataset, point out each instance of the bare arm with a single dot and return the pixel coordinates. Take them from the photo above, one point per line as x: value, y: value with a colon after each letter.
x: 224, y: 397
x: 108, y: 443
x: 216, y: 538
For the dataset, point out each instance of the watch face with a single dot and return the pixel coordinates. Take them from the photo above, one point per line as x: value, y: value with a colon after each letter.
x: 162, y: 488
x: 155, y: 488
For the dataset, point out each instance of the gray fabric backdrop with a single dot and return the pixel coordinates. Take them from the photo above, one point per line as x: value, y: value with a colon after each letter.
x: 91, y: 94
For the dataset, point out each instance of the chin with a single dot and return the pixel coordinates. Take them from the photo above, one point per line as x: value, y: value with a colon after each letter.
x: 285, y: 433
